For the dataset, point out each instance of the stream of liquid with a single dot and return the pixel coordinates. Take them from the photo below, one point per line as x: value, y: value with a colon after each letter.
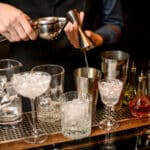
x: 86, y: 62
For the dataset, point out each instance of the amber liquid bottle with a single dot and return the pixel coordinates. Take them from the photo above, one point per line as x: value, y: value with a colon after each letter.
x: 140, y: 104
x: 130, y: 87
x: 148, y: 80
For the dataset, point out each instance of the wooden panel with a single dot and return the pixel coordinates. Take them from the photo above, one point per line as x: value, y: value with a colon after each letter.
x: 59, y: 138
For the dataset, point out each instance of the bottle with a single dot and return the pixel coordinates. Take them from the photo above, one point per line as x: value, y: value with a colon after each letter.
x: 140, y: 104
x: 130, y: 88
x: 148, y: 80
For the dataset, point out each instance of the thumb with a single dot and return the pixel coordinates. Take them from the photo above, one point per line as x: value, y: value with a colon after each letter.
x: 97, y: 39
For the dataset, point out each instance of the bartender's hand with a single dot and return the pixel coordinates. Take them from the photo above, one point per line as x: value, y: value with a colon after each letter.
x: 14, y: 24
x: 71, y: 31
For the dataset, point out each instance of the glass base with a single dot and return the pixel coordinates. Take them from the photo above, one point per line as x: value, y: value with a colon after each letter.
x: 38, y: 138
x: 108, y: 147
x: 10, y: 121
x: 108, y: 124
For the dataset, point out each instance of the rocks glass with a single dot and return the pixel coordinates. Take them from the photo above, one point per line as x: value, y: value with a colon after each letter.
x: 48, y: 104
x: 76, y: 115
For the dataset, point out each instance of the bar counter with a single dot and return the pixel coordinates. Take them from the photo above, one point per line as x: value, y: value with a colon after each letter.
x: 12, y: 137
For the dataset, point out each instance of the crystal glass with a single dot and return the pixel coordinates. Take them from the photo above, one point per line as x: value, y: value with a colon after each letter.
x: 76, y: 115
x: 110, y: 91
x: 10, y: 101
x: 48, y: 104
x: 31, y: 85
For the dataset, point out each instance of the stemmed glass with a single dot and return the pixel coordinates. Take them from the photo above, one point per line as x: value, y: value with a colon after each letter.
x: 108, y: 145
x: 110, y: 91
x: 31, y: 85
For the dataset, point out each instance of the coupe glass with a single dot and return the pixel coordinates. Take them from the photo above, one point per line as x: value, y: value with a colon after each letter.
x: 110, y: 91
x: 31, y: 85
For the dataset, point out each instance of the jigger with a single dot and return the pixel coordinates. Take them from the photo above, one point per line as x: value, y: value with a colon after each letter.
x: 84, y: 43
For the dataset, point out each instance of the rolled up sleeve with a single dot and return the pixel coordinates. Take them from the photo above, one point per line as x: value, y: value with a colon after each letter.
x: 112, y: 21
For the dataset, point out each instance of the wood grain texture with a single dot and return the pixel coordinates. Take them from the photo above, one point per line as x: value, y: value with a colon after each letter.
x: 59, y: 138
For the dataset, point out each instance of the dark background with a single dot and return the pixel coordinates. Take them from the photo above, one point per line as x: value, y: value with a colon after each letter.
x: 136, y: 37
x: 136, y: 33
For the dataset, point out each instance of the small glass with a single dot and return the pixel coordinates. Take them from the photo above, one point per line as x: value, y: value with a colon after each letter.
x: 76, y: 115
x: 110, y: 91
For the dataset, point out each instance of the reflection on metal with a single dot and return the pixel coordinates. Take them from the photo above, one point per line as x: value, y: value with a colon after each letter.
x: 2, y: 38
x: 48, y: 28
x: 85, y: 43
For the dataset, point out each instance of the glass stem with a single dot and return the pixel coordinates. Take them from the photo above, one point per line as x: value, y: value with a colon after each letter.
x: 109, y: 113
x: 107, y: 138
x: 34, y: 117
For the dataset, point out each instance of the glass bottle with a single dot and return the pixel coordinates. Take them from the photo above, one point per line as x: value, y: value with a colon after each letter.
x: 148, y: 80
x: 130, y: 88
x: 140, y: 104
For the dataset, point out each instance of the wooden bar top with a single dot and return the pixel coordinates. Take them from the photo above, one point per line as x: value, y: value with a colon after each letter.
x: 126, y: 124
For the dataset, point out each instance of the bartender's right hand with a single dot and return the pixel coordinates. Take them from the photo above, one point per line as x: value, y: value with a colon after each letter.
x: 15, y: 24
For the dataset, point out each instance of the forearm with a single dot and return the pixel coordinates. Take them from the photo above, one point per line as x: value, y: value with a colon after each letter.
x: 110, y: 33
x: 112, y: 21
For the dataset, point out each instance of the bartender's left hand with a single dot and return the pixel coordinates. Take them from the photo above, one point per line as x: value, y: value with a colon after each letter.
x: 71, y: 31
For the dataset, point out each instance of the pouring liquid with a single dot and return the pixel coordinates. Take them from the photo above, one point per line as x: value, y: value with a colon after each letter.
x: 86, y: 62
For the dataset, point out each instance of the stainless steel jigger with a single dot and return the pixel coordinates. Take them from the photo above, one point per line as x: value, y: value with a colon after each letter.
x: 84, y: 43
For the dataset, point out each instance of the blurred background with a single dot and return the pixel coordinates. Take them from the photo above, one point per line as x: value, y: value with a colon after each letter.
x: 135, y: 38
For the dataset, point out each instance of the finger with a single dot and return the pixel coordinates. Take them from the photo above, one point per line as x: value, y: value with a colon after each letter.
x: 75, y: 34
x: 6, y: 31
x: 71, y: 31
x: 26, y: 26
x: 94, y: 37
x: 67, y: 27
x: 14, y: 37
x: 20, y: 31
x: 81, y: 17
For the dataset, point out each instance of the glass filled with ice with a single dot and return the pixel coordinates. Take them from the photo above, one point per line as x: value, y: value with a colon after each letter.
x: 31, y: 85
x: 48, y: 104
x: 110, y: 91
x: 10, y: 102
x: 76, y: 115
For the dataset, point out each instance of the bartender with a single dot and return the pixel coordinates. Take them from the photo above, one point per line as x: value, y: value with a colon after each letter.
x: 101, y: 20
